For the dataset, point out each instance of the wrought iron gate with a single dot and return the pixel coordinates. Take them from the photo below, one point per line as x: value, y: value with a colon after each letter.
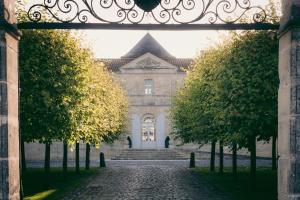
x: 146, y: 15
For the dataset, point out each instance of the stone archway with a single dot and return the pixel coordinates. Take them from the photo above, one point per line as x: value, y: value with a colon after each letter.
x: 148, y: 132
x: 289, y: 102
x: 9, y: 100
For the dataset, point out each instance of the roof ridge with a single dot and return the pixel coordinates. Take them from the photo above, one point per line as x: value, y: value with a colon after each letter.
x: 148, y: 44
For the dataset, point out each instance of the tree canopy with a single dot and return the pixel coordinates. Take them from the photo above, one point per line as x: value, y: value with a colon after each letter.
x: 230, y: 92
x: 65, y: 94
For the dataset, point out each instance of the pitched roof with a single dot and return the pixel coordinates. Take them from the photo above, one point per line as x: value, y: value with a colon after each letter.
x: 148, y: 45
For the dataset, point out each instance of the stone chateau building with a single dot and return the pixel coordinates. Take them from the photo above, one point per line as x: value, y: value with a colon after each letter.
x: 150, y: 76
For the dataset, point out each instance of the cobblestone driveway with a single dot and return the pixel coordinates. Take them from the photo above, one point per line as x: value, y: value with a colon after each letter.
x: 147, y: 180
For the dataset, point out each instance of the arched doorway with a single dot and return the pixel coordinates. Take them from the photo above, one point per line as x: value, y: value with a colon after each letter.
x: 148, y: 131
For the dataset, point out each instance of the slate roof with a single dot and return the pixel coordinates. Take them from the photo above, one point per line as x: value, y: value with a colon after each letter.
x: 146, y: 45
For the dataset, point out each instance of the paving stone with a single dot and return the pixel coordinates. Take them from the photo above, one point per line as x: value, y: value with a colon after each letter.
x: 145, y: 181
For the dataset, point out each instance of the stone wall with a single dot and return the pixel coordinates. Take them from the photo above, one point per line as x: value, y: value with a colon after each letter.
x: 9, y: 110
x: 289, y: 102
x: 35, y: 151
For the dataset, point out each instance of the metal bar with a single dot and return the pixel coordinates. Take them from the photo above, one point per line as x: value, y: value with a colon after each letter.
x: 5, y: 25
x: 164, y: 27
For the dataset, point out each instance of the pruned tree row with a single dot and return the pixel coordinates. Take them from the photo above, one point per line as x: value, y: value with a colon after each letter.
x: 230, y: 95
x: 65, y: 94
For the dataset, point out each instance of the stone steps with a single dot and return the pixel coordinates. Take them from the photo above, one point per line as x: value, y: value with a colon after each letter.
x: 149, y: 154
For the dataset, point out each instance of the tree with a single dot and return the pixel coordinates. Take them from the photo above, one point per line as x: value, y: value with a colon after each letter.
x: 51, y: 78
x: 230, y: 94
x: 248, y: 87
x: 66, y: 95
x: 101, y: 116
x: 195, y: 112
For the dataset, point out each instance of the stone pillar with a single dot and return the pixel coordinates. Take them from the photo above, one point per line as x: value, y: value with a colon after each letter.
x: 289, y: 102
x: 9, y: 98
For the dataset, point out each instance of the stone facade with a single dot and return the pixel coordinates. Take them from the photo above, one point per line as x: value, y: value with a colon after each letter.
x: 150, y: 77
x: 9, y: 111
x: 289, y: 102
x: 165, y: 79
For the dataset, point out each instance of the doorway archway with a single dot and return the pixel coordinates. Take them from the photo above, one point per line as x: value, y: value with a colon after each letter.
x: 148, y: 132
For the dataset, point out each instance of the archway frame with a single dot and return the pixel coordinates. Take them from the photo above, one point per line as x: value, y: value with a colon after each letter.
x: 289, y: 97
x: 153, y: 126
x: 141, y: 15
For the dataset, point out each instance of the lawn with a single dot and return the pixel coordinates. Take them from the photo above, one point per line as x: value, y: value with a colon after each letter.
x: 266, y: 183
x: 37, y: 186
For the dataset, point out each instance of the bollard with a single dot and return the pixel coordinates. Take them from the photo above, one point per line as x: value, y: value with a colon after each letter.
x: 192, y: 160
x: 102, y: 160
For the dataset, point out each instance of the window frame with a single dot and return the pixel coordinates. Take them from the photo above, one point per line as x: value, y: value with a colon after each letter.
x: 148, y: 87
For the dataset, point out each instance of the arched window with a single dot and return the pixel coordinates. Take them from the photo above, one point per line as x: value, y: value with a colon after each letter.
x: 148, y: 129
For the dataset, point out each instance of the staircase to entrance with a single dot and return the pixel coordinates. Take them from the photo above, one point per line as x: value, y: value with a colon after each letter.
x: 150, y: 154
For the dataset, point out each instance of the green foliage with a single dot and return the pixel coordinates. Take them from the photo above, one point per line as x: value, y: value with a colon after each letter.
x: 249, y: 86
x: 266, y: 183
x: 195, y: 110
x: 230, y: 92
x: 101, y: 116
x: 50, y: 69
x: 38, y: 186
x: 65, y: 94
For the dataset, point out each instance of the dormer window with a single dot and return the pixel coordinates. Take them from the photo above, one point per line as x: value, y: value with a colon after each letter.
x: 148, y: 85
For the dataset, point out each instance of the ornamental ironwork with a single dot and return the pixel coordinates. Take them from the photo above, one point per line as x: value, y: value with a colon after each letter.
x: 148, y: 12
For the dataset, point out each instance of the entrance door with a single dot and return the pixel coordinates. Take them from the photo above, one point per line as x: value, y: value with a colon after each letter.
x: 148, y: 133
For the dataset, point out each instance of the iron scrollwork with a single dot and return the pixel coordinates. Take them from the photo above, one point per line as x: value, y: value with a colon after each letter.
x: 132, y: 12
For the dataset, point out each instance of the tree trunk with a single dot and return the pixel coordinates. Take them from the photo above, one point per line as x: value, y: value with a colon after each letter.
x: 47, y: 164
x: 212, y: 156
x: 252, y: 162
x: 47, y: 158
x: 274, y: 153
x: 77, y: 158
x: 23, y: 157
x: 234, y: 161
x: 87, y: 156
x: 65, y: 159
x: 22, y: 152
x: 221, y: 169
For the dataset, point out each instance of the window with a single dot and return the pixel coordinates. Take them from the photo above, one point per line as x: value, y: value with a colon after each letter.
x: 148, y: 129
x: 148, y: 85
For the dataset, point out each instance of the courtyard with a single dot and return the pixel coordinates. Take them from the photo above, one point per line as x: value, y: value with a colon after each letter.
x: 150, y: 111
x: 128, y: 180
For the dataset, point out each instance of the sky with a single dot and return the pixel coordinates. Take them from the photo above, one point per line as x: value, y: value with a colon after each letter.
x: 181, y: 44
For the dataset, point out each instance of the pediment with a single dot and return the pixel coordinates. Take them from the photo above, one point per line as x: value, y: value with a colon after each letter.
x: 148, y: 61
